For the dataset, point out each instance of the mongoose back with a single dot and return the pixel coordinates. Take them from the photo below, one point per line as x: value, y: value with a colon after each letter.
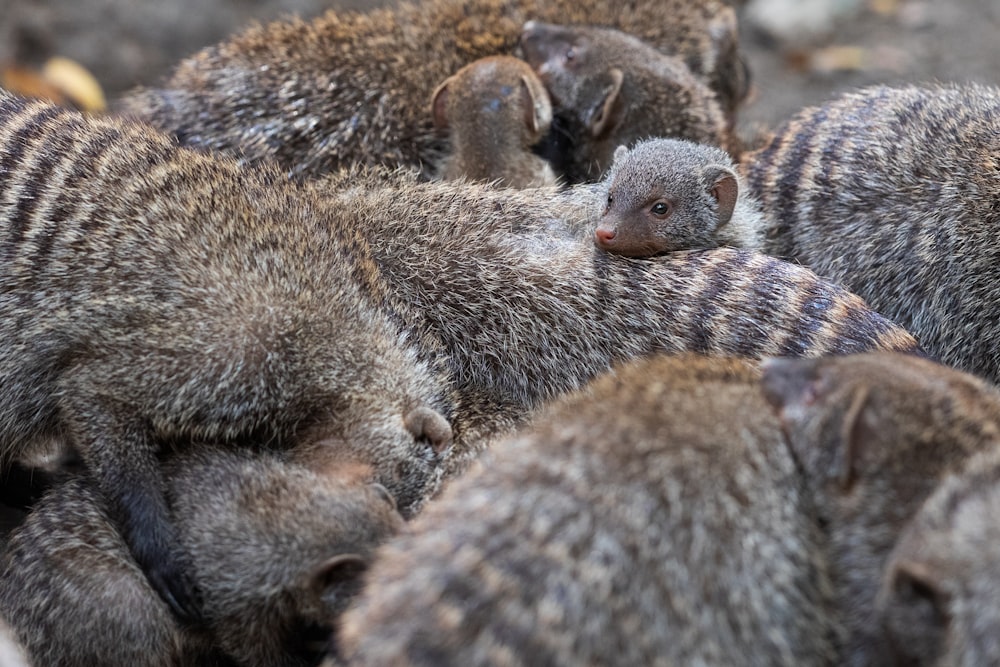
x: 893, y: 193
x: 494, y: 109
x: 613, y: 532
x: 874, y: 434
x: 667, y: 194
x: 161, y: 295
x: 276, y: 549
x: 938, y: 602
x: 351, y: 87
x: 609, y: 89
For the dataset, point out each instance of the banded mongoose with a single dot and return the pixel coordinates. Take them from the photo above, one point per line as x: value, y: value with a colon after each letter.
x: 494, y: 109
x: 938, y: 602
x: 350, y: 87
x: 610, y: 89
x: 157, y: 294
x: 667, y: 194
x: 276, y: 550
x: 613, y: 532
x: 893, y: 192
x: 875, y: 433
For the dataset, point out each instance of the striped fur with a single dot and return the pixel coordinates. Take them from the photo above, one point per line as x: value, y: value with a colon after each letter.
x: 895, y: 193
x: 154, y: 294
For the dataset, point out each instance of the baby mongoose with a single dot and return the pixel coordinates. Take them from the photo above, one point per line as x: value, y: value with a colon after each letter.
x: 874, y: 434
x: 668, y: 194
x: 158, y: 296
x: 352, y: 87
x: 494, y: 109
x: 893, y: 193
x: 938, y: 602
x: 610, y: 89
x: 614, y: 532
x: 276, y: 551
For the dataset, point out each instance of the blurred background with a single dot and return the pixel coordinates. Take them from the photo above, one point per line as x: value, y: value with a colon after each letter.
x: 800, y: 51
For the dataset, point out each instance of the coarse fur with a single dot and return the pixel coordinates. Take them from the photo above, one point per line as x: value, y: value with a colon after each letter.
x: 667, y: 194
x: 938, y: 601
x: 352, y: 87
x: 613, y: 532
x: 494, y: 109
x: 895, y: 194
x: 157, y: 295
x: 611, y: 89
x: 875, y: 433
x: 275, y: 548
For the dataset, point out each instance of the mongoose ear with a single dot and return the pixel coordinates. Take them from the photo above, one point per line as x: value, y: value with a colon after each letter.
x: 537, y: 106
x: 620, y: 153
x: 914, y: 610
x: 853, y: 436
x: 430, y: 426
x: 602, y: 118
x: 338, y: 572
x: 723, y: 186
x: 439, y: 105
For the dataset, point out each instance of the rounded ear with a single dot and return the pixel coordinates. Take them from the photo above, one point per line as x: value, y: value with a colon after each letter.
x: 722, y: 184
x: 429, y: 425
x: 915, y: 611
x: 439, y: 105
x: 339, y: 571
x: 537, y: 106
x: 602, y: 118
x: 620, y: 153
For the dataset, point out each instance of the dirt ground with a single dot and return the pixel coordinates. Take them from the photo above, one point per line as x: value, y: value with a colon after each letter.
x: 128, y: 42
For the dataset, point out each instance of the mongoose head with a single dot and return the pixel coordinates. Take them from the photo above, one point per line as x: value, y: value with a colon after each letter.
x: 610, y: 88
x: 937, y: 604
x: 666, y: 194
x: 495, y: 109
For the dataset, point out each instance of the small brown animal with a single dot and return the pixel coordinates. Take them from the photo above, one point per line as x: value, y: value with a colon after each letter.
x: 495, y: 109
x: 350, y: 87
x: 667, y: 194
x: 275, y: 549
x: 938, y: 602
x: 875, y: 433
x: 610, y: 89
x: 893, y: 193
x: 614, y: 532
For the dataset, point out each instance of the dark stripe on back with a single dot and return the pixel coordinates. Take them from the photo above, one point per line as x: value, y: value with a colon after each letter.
x: 814, y: 313
x: 789, y: 185
x: 718, y: 278
x: 17, y: 143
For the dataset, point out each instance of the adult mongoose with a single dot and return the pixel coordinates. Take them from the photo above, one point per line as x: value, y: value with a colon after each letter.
x: 614, y: 531
x: 494, y: 110
x: 667, y: 194
x: 874, y: 433
x: 276, y: 550
x: 609, y: 88
x: 895, y: 194
x: 352, y: 87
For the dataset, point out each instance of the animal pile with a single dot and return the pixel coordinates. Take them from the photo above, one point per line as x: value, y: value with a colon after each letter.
x: 463, y: 333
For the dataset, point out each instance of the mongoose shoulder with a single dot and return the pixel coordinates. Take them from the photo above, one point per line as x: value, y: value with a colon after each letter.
x: 494, y: 110
x: 352, y: 86
x: 893, y: 193
x: 609, y: 88
x: 276, y: 551
x: 875, y: 433
x: 668, y: 194
x: 613, y: 532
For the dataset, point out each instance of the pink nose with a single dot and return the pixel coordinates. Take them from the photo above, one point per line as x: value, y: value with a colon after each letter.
x: 604, y: 236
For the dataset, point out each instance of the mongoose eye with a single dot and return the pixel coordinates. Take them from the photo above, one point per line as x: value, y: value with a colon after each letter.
x: 571, y: 54
x: 660, y: 209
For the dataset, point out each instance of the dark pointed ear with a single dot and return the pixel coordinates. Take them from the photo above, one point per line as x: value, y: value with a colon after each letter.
x: 340, y: 571
x: 439, y: 105
x: 722, y: 184
x: 537, y: 106
x: 603, y: 117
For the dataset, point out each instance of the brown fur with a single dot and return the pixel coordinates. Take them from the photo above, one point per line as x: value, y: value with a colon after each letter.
x: 616, y: 531
x: 667, y: 194
x: 275, y: 549
x: 875, y: 433
x: 610, y: 89
x: 156, y: 295
x: 938, y: 602
x: 494, y: 109
x: 893, y: 193
x: 352, y: 87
